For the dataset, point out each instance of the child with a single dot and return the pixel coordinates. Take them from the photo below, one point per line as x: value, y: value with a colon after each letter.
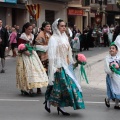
x: 112, y: 68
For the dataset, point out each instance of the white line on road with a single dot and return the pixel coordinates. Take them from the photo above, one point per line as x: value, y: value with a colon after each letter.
x: 91, y: 102
x: 20, y: 100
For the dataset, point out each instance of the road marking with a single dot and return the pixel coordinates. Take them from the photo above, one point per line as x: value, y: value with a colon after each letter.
x: 91, y: 102
x: 19, y: 100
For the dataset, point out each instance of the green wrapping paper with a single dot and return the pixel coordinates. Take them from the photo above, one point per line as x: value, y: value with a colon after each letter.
x: 82, y: 70
x: 114, y: 69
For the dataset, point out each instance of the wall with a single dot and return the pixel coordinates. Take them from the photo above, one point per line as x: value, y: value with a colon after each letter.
x: 3, y: 15
x: 21, y: 17
x: 60, y: 10
x: 9, y: 16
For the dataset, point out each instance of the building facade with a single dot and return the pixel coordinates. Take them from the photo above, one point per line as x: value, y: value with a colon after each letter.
x: 13, y: 13
x: 75, y: 12
x: 51, y: 10
x: 94, y: 7
x: 78, y: 14
x: 113, y: 12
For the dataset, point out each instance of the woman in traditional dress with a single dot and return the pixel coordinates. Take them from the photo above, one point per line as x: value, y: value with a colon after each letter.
x: 30, y: 72
x: 42, y: 44
x: 76, y: 44
x: 64, y: 89
x: 112, y: 68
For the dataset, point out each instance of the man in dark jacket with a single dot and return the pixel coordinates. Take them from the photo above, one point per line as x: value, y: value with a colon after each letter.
x: 3, y: 45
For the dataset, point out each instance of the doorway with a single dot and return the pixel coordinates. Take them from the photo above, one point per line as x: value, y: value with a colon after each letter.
x: 71, y: 21
x: 50, y: 16
x: 13, y: 16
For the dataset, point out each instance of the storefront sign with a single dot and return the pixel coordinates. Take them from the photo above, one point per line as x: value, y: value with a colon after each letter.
x: 2, y: 0
x: 11, y: 1
x: 72, y: 11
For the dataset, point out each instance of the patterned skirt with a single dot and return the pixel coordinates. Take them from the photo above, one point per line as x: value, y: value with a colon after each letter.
x: 30, y: 72
x: 110, y: 93
x: 64, y: 92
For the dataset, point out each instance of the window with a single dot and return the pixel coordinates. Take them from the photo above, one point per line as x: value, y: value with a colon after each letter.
x: 92, y: 1
x: 87, y: 2
x: 96, y: 1
x: 105, y: 2
x: 49, y: 16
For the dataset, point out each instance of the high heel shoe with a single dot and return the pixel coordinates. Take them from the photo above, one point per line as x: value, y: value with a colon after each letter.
x: 24, y: 92
x: 63, y: 113
x: 38, y: 90
x: 107, y: 103
x: 46, y: 108
x: 31, y: 93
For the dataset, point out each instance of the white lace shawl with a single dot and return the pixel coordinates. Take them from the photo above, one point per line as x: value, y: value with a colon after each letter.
x: 24, y: 37
x: 58, y: 50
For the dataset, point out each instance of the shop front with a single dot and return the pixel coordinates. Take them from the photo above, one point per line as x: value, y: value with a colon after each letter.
x: 12, y: 13
x: 78, y: 17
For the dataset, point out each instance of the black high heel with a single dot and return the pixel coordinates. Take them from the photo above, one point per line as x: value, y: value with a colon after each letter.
x: 63, y: 113
x: 24, y: 92
x: 107, y: 103
x: 46, y: 108
x: 31, y: 93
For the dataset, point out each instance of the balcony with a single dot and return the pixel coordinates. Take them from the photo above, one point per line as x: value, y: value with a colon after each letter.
x: 95, y: 5
x: 57, y: 1
x: 75, y: 3
x: 111, y: 1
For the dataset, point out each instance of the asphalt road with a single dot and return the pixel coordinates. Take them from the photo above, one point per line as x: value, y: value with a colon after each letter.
x: 14, y: 106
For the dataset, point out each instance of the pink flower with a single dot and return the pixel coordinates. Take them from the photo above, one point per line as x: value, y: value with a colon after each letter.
x: 116, y: 64
x: 76, y: 38
x: 81, y: 58
x: 21, y: 47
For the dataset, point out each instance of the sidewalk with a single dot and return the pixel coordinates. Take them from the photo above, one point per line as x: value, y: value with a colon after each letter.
x: 95, y: 70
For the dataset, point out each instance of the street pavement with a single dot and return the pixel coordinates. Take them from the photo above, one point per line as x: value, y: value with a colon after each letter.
x: 14, y: 106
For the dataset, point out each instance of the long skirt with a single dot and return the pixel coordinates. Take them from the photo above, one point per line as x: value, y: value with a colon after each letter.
x: 44, y: 59
x: 64, y: 92
x: 30, y: 72
x: 110, y: 93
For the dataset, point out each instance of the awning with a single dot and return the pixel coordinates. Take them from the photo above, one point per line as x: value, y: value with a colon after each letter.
x: 60, y: 1
x: 10, y: 5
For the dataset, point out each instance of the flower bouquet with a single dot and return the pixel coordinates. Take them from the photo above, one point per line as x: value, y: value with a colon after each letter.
x: 114, y: 66
x: 81, y: 60
x: 76, y: 39
x: 24, y: 47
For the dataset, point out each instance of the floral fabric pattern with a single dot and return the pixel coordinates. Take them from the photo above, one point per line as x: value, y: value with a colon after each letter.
x: 64, y: 92
x: 30, y: 72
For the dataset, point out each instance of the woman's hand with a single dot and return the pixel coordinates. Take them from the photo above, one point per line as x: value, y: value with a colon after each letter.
x: 27, y: 53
